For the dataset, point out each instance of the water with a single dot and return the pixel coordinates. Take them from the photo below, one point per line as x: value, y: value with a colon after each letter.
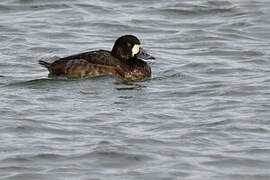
x: 203, y: 115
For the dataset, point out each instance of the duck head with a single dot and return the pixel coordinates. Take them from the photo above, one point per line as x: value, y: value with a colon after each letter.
x: 129, y: 47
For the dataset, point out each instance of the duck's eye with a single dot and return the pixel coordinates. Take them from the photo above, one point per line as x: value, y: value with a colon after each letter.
x: 135, y: 49
x: 129, y: 44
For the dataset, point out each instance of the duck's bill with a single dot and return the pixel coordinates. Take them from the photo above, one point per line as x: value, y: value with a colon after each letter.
x: 144, y: 55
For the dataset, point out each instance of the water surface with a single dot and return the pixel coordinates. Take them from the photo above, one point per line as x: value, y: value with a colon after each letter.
x: 203, y: 115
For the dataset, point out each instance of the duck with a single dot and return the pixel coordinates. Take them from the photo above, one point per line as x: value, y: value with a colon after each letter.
x: 126, y: 60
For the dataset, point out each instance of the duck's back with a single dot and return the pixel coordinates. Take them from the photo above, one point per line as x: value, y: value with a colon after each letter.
x: 101, y: 57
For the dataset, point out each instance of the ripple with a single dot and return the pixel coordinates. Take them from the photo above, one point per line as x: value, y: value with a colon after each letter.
x: 114, y: 159
x: 47, y: 156
x: 27, y: 176
x: 40, y: 83
x: 226, y: 163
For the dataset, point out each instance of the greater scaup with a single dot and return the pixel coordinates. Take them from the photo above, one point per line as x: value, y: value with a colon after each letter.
x: 126, y: 60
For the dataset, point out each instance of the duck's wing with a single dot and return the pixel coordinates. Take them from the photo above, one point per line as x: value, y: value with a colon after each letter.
x: 80, y: 68
x: 101, y: 57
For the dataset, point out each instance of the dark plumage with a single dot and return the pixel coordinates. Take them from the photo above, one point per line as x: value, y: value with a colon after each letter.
x: 125, y: 61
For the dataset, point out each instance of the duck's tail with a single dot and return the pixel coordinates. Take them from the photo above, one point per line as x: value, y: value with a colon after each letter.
x: 45, y: 64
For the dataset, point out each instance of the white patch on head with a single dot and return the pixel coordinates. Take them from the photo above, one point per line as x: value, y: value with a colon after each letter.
x: 136, y: 49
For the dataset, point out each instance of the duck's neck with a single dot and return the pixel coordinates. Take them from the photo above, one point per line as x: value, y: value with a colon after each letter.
x: 120, y: 54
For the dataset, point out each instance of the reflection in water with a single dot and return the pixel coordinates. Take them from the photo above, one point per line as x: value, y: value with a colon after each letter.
x: 129, y: 86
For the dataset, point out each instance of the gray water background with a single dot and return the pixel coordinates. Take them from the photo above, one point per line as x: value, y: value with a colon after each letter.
x: 203, y: 115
